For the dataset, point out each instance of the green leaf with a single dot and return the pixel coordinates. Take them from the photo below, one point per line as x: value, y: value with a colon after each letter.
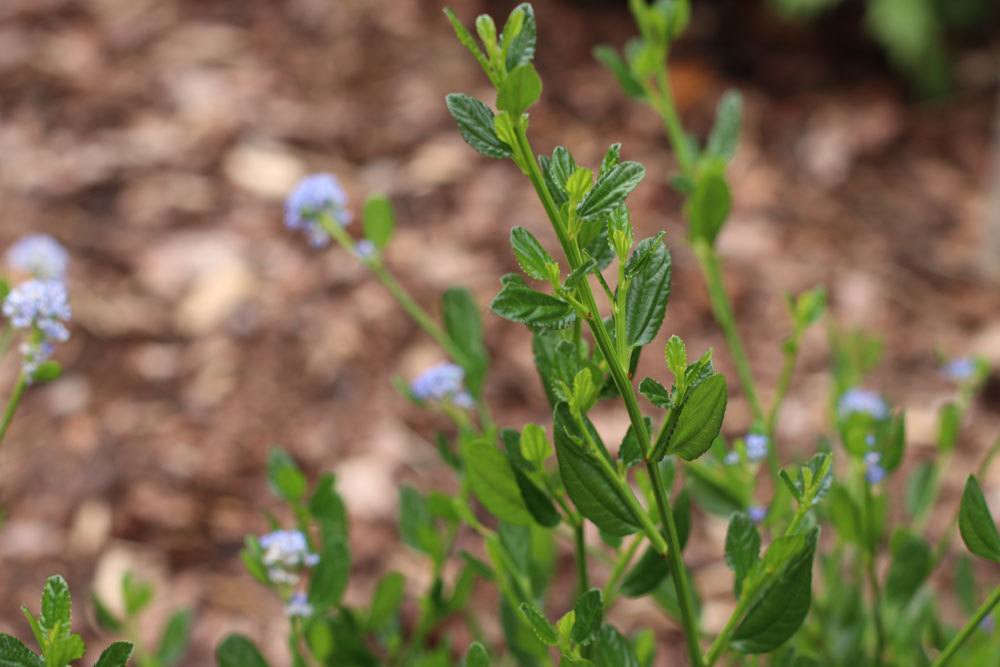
x: 386, y: 601
x: 284, y: 476
x: 966, y: 589
x: 105, y: 618
x: 519, y: 90
x: 846, y: 515
x: 557, y: 171
x: 611, y: 649
x: 115, y: 655
x: 592, y: 492
x: 531, y: 256
x: 975, y: 523
x: 415, y: 525
x: 623, y: 73
x: 15, y: 654
x: 519, y: 303
x: 539, y: 624
x: 535, y: 445
x: 675, y: 354
x: 477, y: 656
x: 56, y: 604
x: 588, y: 614
x: 468, y: 41
x: 378, y: 221
x: 920, y: 488
x: 699, y: 421
x: 949, y: 421
x: 238, y: 651
x: 649, y: 291
x: 465, y: 329
x: 492, y: 481
x: 725, y: 134
x: 708, y: 206
x: 174, y: 640
x: 781, y: 607
x: 557, y: 361
x: 47, y: 371
x: 655, y: 392
x: 520, y: 49
x: 645, y: 575
x: 327, y: 507
x: 912, y: 563
x: 537, y: 501
x: 630, y: 452
x: 475, y: 123
x: 329, y: 578
x: 894, y: 443
x: 742, y: 548
x: 611, y: 189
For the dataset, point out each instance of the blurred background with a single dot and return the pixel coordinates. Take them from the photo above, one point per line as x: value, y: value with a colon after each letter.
x: 157, y: 139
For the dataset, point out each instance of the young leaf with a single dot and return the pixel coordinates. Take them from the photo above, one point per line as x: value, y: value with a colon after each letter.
x: 948, y: 426
x: 920, y: 487
x: 675, y: 354
x: 238, y: 651
x: 477, y: 656
x: 623, y: 73
x: 655, y: 392
x: 782, y: 606
x: 465, y: 329
x: 648, y: 292
x: 725, y: 135
x: 520, y: 48
x: 531, y: 256
x: 386, y: 601
x: 594, y: 495
x: 492, y: 481
x: 378, y: 221
x: 539, y: 624
x: 535, y: 445
x: 912, y: 563
x: 700, y: 419
x: 519, y: 90
x: 611, y: 189
x: 475, y: 123
x: 519, y: 303
x: 56, y: 604
x: 284, y: 476
x: 15, y: 654
x: 975, y: 523
x: 708, y: 207
x: 742, y: 548
x: 557, y: 171
x: 416, y: 527
x: 174, y: 641
x: 329, y: 579
x: 587, y: 616
x: 466, y: 39
x: 611, y: 649
x: 116, y: 655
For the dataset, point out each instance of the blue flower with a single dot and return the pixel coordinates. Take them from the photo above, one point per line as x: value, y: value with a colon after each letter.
x: 315, y: 196
x: 41, y: 308
x: 874, y: 472
x: 864, y: 401
x: 365, y: 249
x: 960, y: 370
x: 298, y: 606
x: 40, y: 256
x: 286, y: 551
x: 443, y: 382
x: 757, y: 513
x: 732, y: 458
x: 757, y: 444
x: 987, y: 624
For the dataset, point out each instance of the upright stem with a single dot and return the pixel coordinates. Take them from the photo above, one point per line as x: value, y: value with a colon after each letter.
x: 784, y: 382
x: 671, y: 549
x: 709, y: 262
x: 970, y: 627
x: 872, y: 576
x: 12, y: 403
x: 621, y: 563
x: 583, y: 580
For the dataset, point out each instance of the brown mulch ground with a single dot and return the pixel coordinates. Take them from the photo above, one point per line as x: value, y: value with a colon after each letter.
x: 158, y: 138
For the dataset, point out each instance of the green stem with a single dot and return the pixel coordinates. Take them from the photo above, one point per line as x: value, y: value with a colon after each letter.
x: 970, y: 627
x: 784, y: 382
x: 872, y: 576
x: 12, y: 403
x: 670, y: 548
x: 668, y: 112
x: 583, y: 579
x: 621, y: 564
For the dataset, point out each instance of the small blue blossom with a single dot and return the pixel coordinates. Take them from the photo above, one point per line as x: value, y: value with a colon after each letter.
x: 862, y: 400
x: 757, y: 513
x: 757, y: 444
x: 443, y: 382
x: 41, y: 308
x: 314, y: 196
x: 298, y: 606
x: 987, y: 624
x: 870, y: 439
x: 874, y: 472
x: 365, y: 250
x: 960, y: 370
x: 732, y: 458
x: 287, y: 550
x: 40, y: 256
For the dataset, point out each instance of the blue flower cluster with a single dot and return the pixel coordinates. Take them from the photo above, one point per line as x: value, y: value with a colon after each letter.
x: 757, y: 445
x: 286, y: 554
x: 298, y: 606
x: 40, y: 256
x: 41, y: 309
x: 314, y: 196
x: 874, y: 472
x: 960, y: 370
x: 443, y: 382
x: 864, y: 401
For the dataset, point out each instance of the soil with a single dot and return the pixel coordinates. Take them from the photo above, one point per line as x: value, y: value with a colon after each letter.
x: 157, y: 139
